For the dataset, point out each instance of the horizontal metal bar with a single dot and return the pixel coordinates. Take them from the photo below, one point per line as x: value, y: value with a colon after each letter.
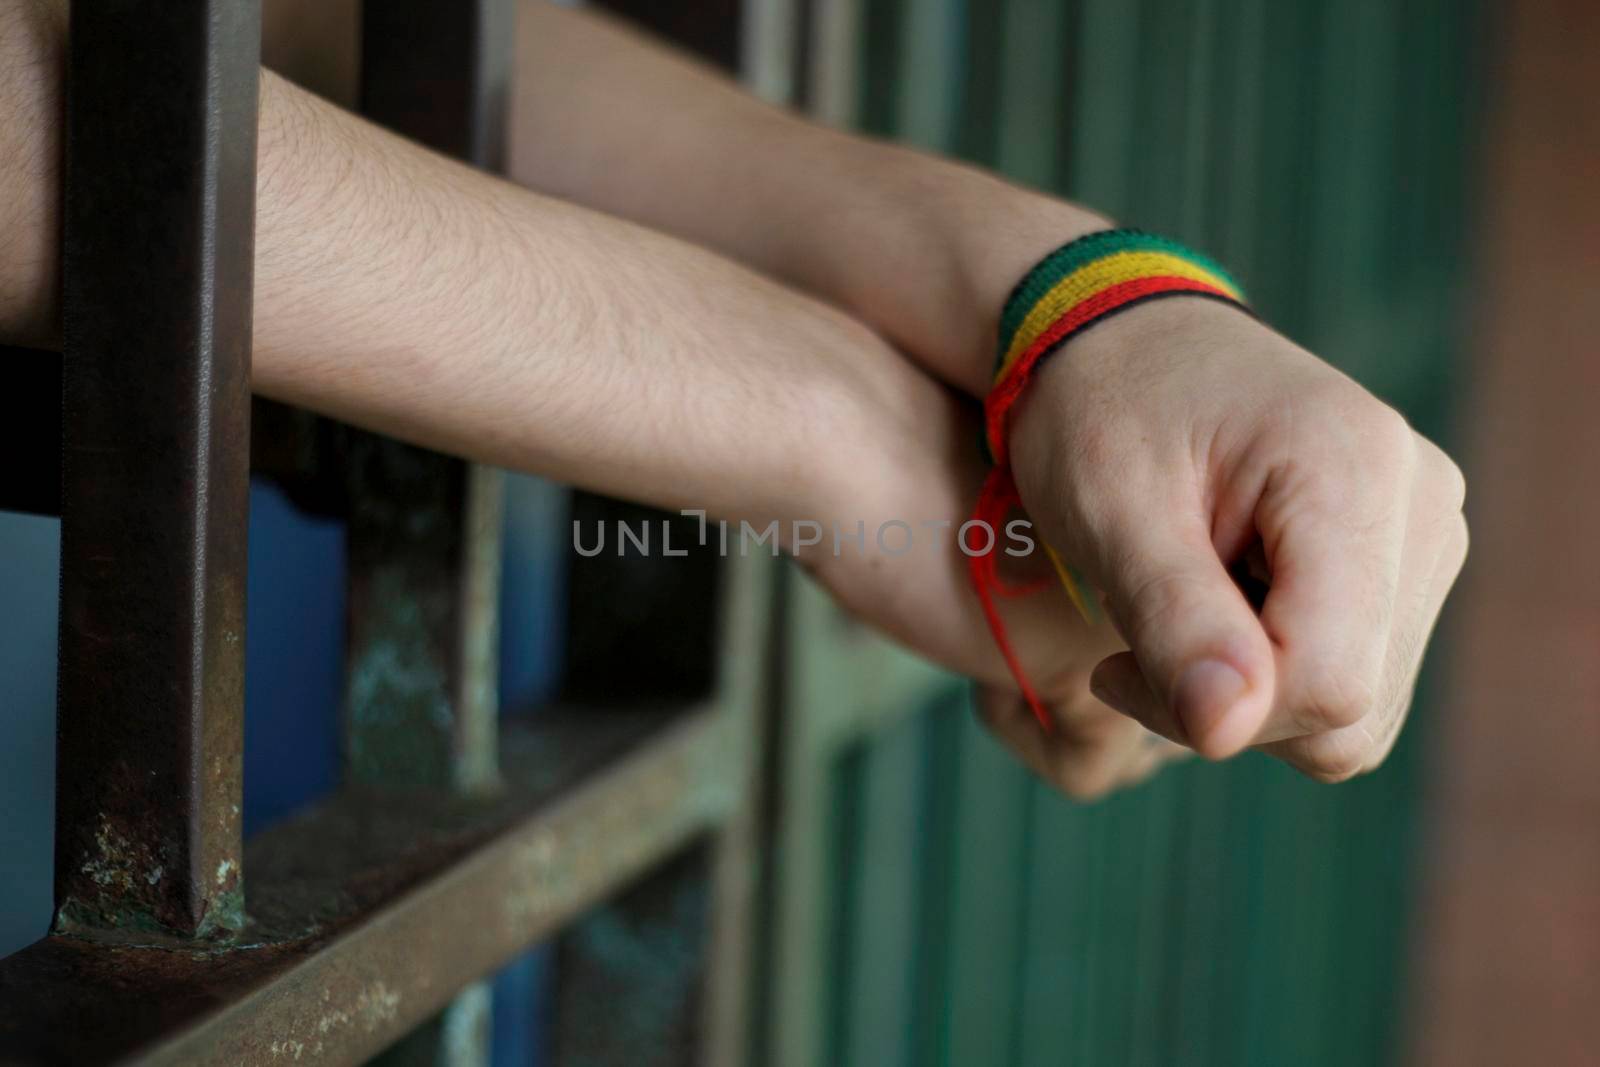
x: 30, y: 431
x: 372, y: 910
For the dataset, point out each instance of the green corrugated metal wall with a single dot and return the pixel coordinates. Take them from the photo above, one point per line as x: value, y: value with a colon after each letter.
x: 1221, y: 915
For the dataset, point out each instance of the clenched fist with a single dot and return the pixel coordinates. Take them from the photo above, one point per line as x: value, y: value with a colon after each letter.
x: 1161, y: 450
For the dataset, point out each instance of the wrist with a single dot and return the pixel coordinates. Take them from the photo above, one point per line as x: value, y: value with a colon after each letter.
x: 989, y: 232
x: 927, y: 250
x: 996, y: 232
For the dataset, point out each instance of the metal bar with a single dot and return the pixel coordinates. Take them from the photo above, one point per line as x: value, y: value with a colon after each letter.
x: 423, y: 540
x: 831, y: 41
x: 157, y: 252
x: 424, y: 529
x: 747, y: 687
x: 374, y: 909
x: 30, y: 431
x: 661, y: 974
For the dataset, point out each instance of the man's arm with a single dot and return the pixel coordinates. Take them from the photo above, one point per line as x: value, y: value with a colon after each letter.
x: 1155, y: 450
x: 418, y: 297
x: 921, y: 248
x: 403, y: 291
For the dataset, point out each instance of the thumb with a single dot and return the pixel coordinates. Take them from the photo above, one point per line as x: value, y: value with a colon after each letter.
x: 1200, y: 669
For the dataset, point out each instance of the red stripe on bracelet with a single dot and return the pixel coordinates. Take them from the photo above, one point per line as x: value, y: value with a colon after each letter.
x: 997, y: 406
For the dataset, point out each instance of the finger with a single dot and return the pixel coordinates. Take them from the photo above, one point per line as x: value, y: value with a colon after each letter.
x: 1154, y: 753
x: 1204, y: 659
x: 1340, y: 754
x: 1334, y: 546
x: 1085, y: 757
x: 1436, y: 548
x: 1166, y: 751
x: 930, y: 605
x: 1119, y: 683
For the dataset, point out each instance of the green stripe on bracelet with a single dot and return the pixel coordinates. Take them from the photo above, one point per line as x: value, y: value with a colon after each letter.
x: 1078, y: 253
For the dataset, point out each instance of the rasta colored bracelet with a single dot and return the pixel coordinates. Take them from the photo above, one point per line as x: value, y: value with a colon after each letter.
x: 1083, y: 282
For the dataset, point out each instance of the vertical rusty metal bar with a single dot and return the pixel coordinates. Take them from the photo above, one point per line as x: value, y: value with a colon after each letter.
x: 158, y: 246
x: 422, y: 699
x: 748, y: 686
x: 664, y: 973
x: 424, y: 529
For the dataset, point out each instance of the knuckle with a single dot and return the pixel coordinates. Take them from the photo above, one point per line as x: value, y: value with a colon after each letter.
x: 1371, y: 430
x: 1387, y: 432
x: 1079, y: 778
x: 1380, y: 752
x: 1342, y: 403
x: 1454, y: 488
x: 1337, y: 700
x: 1341, y: 756
x: 1333, y: 769
x: 1446, y: 482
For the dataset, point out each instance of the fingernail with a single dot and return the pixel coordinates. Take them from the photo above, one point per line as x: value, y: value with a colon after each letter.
x: 1112, y: 698
x: 1206, y: 692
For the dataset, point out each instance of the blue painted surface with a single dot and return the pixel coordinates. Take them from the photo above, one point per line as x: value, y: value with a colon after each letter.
x: 532, y: 592
x: 294, y: 658
x: 522, y: 1005
x: 30, y: 559
x: 531, y: 596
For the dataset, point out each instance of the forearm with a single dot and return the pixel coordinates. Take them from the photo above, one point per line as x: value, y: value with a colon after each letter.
x: 415, y: 296
x: 922, y: 249
x: 400, y: 290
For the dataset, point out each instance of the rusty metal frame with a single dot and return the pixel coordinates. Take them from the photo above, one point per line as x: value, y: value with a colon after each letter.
x: 371, y: 911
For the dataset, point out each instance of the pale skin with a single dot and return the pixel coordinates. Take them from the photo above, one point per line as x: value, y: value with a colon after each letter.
x: 695, y: 300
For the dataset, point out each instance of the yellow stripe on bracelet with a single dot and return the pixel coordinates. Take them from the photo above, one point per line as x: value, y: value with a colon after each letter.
x: 1096, y: 276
